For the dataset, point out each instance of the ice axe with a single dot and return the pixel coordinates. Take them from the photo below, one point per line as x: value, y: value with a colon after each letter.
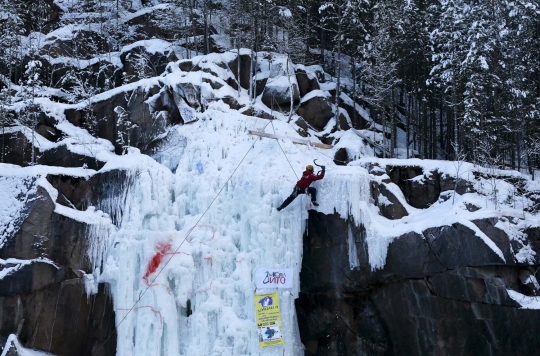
x: 315, y: 163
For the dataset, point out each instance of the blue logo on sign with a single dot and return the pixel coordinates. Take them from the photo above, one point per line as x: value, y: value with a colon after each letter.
x: 266, y: 301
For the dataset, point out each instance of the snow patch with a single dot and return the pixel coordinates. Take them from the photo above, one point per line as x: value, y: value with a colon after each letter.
x: 526, y: 302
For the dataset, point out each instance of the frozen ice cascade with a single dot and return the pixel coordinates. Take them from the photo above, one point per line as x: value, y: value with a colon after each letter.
x: 201, y: 301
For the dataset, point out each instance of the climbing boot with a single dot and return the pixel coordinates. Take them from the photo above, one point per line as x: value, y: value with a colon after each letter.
x: 279, y: 208
x: 315, y: 203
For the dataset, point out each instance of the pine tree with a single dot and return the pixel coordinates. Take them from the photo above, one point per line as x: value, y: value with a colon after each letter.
x: 449, y: 47
x: 31, y: 88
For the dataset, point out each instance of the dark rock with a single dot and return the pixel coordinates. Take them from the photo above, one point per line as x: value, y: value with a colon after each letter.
x: 302, y: 123
x: 341, y: 324
x: 471, y: 207
x: 458, y: 245
x: 185, y: 65
x: 259, y: 86
x: 343, y: 123
x: 389, y: 206
x: 47, y: 234
x: 232, y: 102
x: 341, y: 158
x: 84, y: 45
x: 276, y: 97
x: 420, y: 322
x: 401, y: 173
x: 376, y: 170
x: 533, y: 235
x: 250, y: 111
x: 167, y: 101
x: 151, y: 25
x: 305, y: 84
x: 242, y: 74
x: 63, y: 157
x: 442, y: 292
x: 213, y: 83
x: 29, y: 234
x: 50, y: 133
x: 468, y: 285
x: 49, y: 13
x: 528, y: 279
x: 46, y: 304
x: 316, y: 111
x: 357, y: 120
x: 462, y: 186
x: 499, y: 237
x: 17, y: 149
x: 61, y: 319
x: 140, y: 128
x: 153, y: 64
x: 73, y: 191
x: 28, y: 278
x: 420, y: 193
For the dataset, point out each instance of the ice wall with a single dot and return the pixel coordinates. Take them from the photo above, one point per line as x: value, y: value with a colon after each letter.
x: 196, y: 285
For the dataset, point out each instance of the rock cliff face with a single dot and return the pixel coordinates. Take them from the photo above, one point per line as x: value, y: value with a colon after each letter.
x: 43, y: 299
x: 441, y: 292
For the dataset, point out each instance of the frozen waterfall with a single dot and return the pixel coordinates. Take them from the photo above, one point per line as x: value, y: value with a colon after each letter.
x: 196, y: 293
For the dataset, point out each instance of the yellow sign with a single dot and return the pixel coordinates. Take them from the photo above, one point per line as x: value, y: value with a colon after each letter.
x: 268, y: 317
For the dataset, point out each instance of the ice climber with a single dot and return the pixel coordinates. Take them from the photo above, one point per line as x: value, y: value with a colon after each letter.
x: 302, y: 186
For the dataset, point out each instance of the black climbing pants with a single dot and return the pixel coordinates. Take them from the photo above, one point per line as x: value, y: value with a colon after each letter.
x: 297, y: 190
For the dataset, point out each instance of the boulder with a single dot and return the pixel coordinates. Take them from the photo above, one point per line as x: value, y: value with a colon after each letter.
x: 62, y: 156
x: 49, y: 132
x: 306, y: 84
x: 142, y: 125
x: 277, y: 93
x: 242, y: 73
x: 260, y: 84
x: 461, y: 187
x: 137, y: 59
x: 341, y: 158
x: 189, y: 92
x: 83, y: 44
x: 151, y: 25
x: 316, y: 111
x: 302, y: 123
x: 343, y: 122
x: 419, y: 191
x: 167, y: 102
x: 232, y: 102
x: 389, y: 206
x: 357, y: 120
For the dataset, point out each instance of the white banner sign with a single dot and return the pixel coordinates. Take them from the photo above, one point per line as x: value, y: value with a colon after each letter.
x: 274, y: 278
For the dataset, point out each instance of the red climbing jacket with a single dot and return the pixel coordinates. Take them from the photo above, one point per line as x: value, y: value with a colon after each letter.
x: 308, y: 177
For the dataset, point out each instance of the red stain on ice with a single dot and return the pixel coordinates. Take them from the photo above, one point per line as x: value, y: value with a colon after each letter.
x: 162, y: 250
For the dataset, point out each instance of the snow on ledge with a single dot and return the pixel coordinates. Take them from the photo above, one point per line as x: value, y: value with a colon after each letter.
x: 21, y: 351
x: 525, y: 301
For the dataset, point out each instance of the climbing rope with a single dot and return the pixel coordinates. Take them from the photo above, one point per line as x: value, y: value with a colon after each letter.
x: 185, y: 239
x: 273, y: 128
